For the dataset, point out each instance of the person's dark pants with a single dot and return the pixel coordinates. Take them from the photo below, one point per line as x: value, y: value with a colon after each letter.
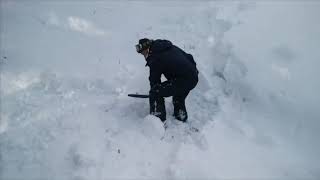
x: 179, y: 90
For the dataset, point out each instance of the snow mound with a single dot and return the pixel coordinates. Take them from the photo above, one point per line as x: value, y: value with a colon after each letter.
x: 153, y: 127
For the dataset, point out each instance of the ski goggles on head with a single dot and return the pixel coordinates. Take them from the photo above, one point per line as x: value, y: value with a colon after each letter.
x: 139, y: 48
x: 143, y: 46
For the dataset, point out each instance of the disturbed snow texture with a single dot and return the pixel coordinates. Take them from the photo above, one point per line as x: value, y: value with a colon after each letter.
x: 66, y: 68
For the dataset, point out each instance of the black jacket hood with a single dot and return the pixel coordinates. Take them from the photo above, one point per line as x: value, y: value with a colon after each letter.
x: 160, y: 46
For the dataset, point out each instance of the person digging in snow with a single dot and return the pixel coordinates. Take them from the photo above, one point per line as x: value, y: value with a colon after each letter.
x: 181, y: 73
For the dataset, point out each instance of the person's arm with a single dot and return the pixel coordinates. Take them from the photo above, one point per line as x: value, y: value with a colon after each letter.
x: 155, y: 73
x: 154, y: 79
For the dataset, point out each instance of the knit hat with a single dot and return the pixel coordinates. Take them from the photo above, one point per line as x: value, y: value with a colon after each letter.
x: 143, y: 44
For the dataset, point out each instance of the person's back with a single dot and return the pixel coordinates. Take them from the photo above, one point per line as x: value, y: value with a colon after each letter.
x: 177, y: 66
x: 174, y: 61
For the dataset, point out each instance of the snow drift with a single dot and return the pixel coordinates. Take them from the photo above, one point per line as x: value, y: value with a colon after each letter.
x: 67, y: 67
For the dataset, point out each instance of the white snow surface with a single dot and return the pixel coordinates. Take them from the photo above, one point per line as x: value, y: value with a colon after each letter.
x: 67, y: 67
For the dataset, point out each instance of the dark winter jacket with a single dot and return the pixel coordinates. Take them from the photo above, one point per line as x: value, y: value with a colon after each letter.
x: 171, y: 61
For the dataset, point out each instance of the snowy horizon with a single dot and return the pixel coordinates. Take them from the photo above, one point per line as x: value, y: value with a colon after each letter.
x: 66, y: 69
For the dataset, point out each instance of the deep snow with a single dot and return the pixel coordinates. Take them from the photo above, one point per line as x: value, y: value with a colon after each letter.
x: 67, y: 67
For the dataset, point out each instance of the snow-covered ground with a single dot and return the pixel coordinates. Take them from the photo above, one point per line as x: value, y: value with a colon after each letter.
x: 67, y: 67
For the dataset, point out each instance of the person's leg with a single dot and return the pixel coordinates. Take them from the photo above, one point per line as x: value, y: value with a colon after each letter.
x: 180, y: 111
x: 156, y: 98
x: 183, y: 87
x: 179, y: 89
x: 157, y: 106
